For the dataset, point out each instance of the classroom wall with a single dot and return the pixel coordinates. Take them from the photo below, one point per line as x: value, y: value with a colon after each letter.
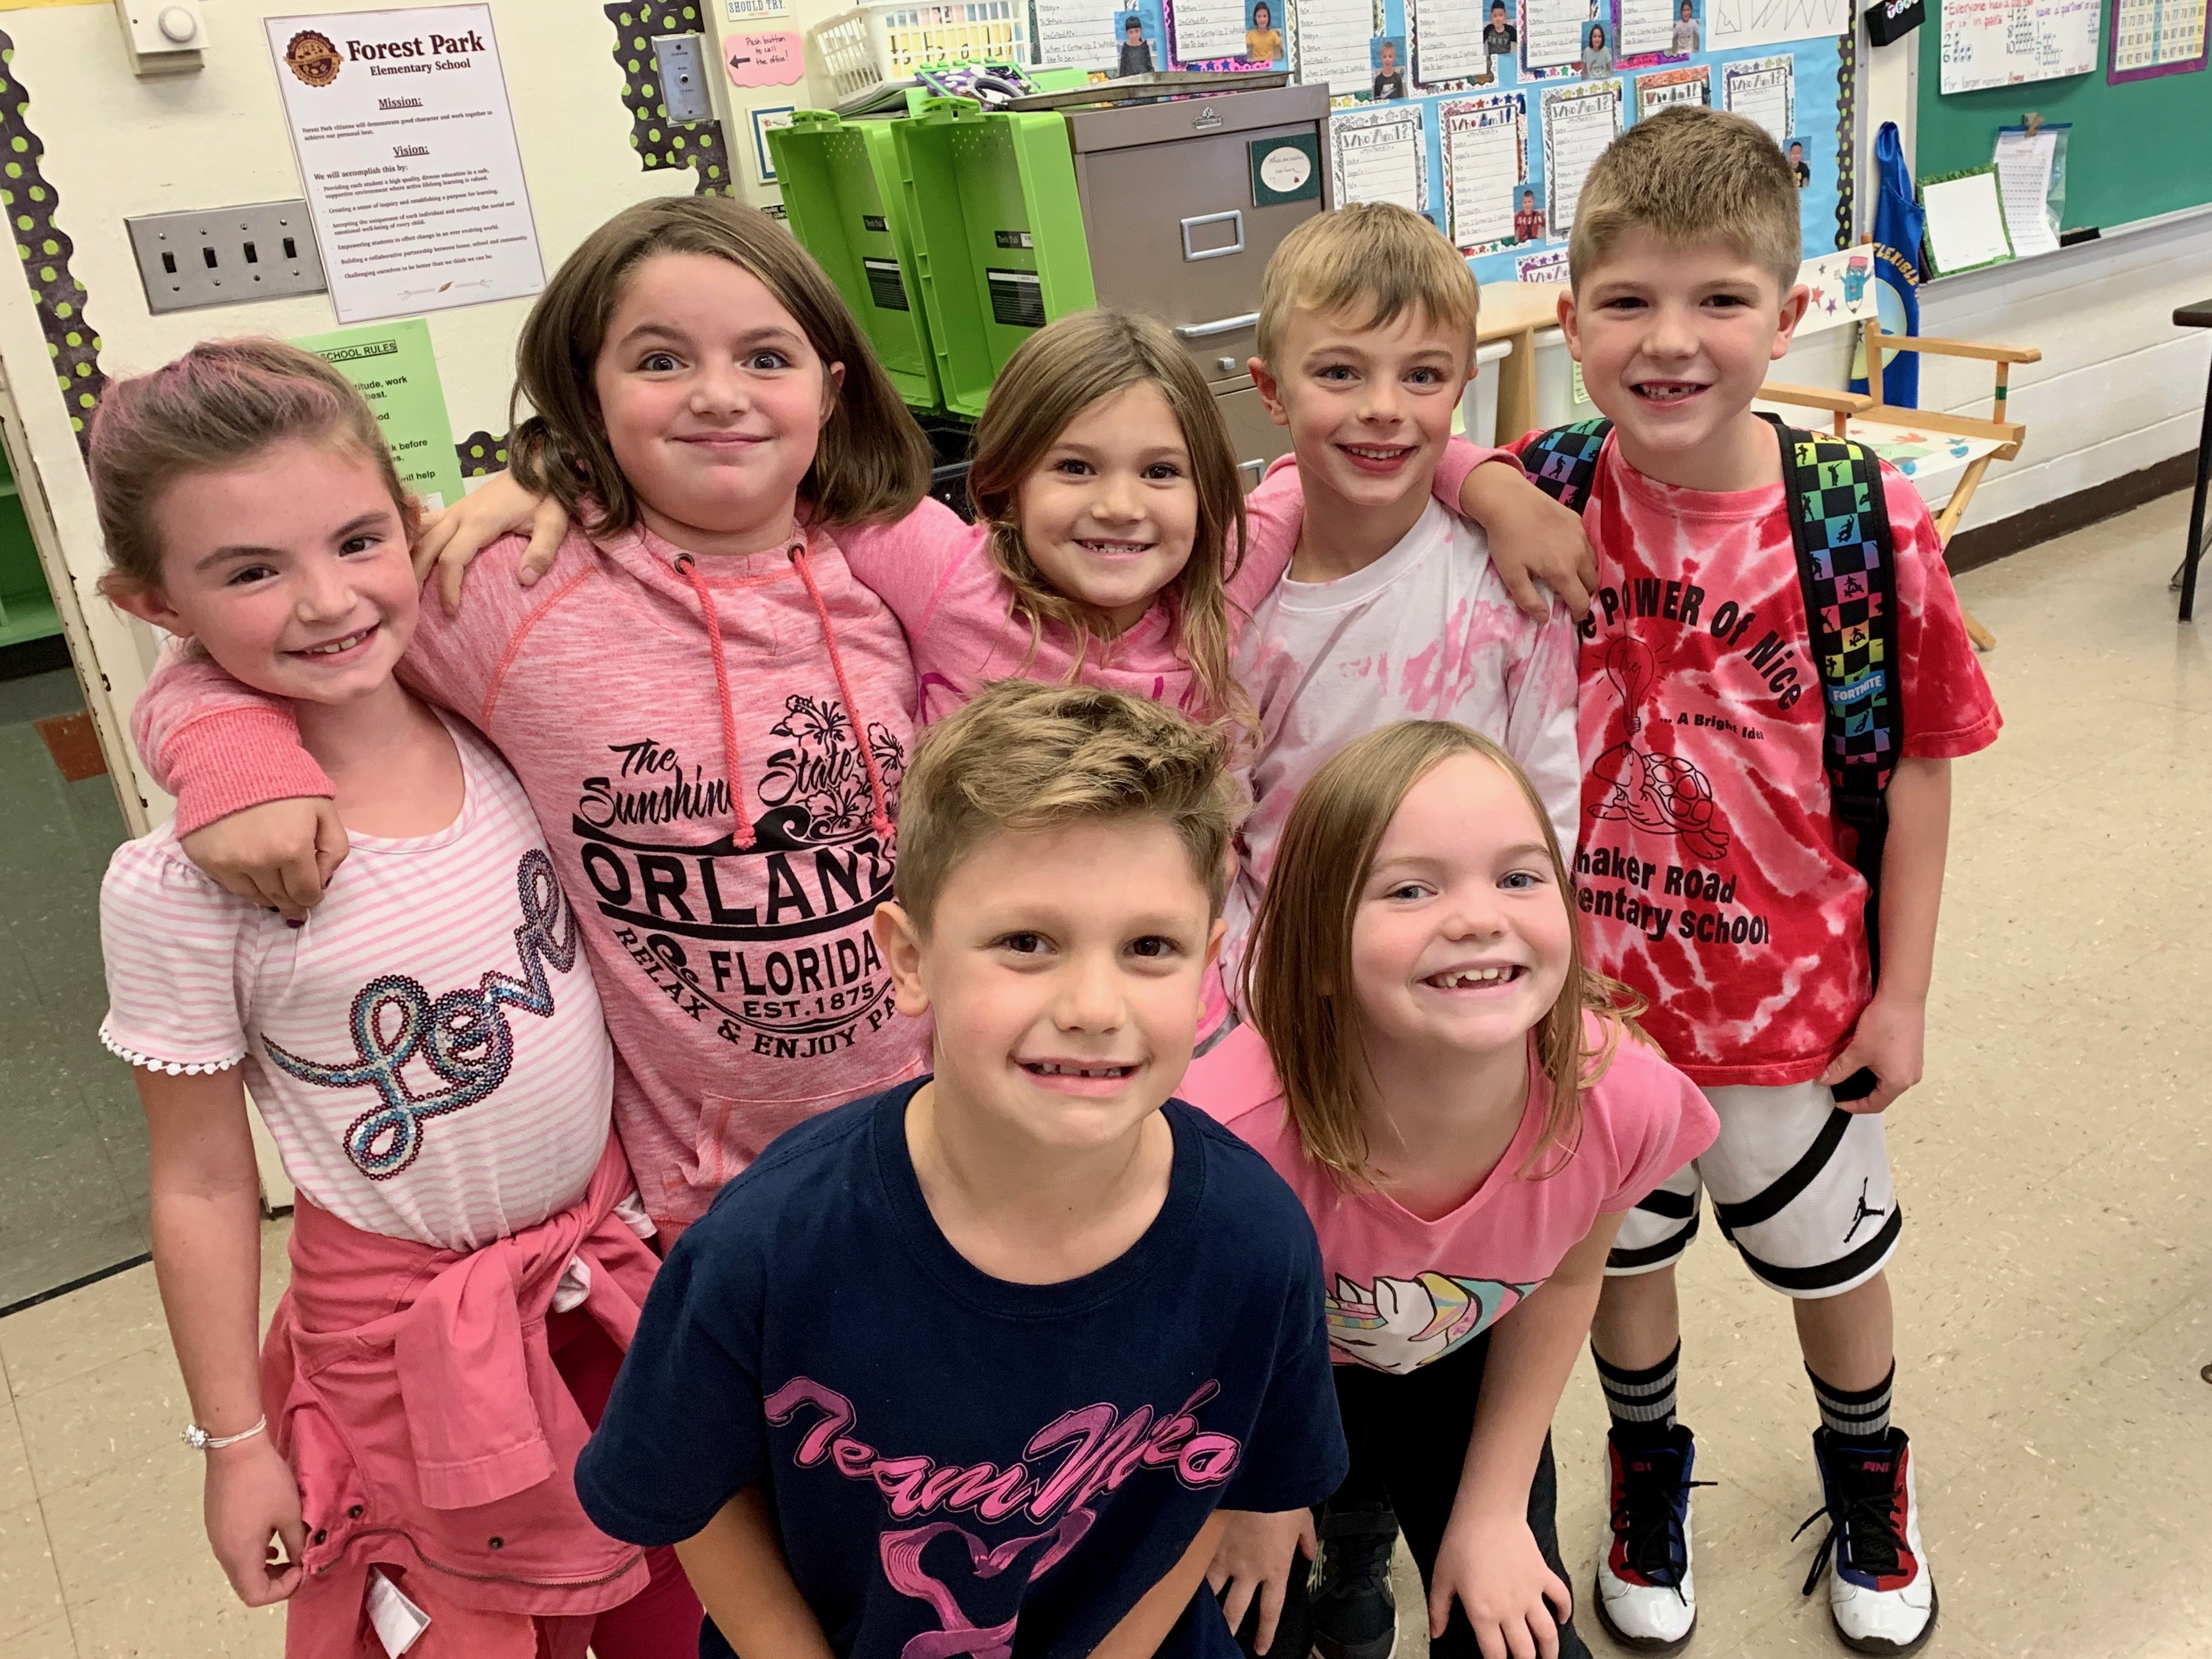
x: 2119, y: 387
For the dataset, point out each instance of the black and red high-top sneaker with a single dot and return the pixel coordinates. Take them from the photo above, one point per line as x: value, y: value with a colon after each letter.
x: 1880, y: 1594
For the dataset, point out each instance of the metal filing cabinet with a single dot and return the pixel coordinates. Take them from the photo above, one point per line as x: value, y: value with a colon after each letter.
x: 1183, y: 204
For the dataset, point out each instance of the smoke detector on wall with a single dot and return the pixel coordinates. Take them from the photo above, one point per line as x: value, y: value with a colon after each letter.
x: 163, y: 37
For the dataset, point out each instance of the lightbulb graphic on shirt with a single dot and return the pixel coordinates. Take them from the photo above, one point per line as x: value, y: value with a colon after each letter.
x: 1663, y: 794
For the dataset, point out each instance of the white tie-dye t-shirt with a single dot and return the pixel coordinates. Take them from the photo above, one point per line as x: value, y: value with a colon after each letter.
x: 1426, y: 632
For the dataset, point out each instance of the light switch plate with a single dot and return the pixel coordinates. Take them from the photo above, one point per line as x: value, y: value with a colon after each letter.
x: 225, y: 256
x: 683, y: 62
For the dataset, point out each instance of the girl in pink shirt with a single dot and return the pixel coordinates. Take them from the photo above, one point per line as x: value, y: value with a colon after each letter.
x: 428, y: 1051
x: 709, y: 714
x: 1466, y: 1123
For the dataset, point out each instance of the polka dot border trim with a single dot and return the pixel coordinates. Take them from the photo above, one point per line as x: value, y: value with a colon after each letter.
x: 45, y: 250
x: 660, y: 143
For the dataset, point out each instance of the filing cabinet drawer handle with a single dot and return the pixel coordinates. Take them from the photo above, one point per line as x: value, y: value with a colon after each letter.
x: 1218, y: 325
x: 1234, y: 216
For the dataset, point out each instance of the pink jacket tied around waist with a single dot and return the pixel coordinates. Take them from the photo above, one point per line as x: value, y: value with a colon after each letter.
x: 413, y: 1393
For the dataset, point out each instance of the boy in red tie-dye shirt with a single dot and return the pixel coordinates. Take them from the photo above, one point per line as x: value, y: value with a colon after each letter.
x: 1714, y: 875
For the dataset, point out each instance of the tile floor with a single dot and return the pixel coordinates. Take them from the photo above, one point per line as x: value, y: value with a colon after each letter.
x: 2055, y: 1287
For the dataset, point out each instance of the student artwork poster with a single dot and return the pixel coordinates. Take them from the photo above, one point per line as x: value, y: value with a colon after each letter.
x: 1659, y: 31
x: 1380, y: 156
x: 1579, y: 122
x: 1485, y: 170
x: 1446, y: 38
x: 1225, y: 34
x: 1561, y: 38
x: 1334, y: 42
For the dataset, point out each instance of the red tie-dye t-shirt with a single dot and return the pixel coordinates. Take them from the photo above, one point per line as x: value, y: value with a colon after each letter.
x: 1712, y: 876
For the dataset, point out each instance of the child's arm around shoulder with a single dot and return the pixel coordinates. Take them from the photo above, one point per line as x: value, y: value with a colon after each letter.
x: 908, y: 563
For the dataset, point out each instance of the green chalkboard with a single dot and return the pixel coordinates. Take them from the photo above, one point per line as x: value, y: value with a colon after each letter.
x: 2137, y: 150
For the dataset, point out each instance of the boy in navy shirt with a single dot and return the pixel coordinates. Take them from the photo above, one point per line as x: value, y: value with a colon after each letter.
x: 973, y: 1365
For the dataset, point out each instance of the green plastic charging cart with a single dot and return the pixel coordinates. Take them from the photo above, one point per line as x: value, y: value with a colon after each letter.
x: 997, y: 226
x: 842, y: 199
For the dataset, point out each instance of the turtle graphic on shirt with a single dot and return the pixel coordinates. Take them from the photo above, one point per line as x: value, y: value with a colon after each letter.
x: 1399, y: 1325
x: 1662, y: 793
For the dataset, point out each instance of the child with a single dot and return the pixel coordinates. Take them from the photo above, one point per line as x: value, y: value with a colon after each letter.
x: 709, y: 714
x: 428, y: 1051
x: 1391, y: 609
x: 1136, y: 53
x: 1499, y: 37
x: 1597, y: 55
x: 988, y: 1353
x: 1718, y: 881
x: 1686, y: 31
x: 1466, y: 1126
x: 1263, y: 41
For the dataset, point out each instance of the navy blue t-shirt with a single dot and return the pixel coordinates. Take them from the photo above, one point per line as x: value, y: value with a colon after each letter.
x: 952, y: 1457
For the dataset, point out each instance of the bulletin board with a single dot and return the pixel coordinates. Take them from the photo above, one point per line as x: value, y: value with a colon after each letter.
x: 2137, y: 148
x: 1484, y: 115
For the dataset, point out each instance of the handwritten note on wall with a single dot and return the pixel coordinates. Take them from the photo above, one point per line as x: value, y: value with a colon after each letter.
x: 1579, y: 122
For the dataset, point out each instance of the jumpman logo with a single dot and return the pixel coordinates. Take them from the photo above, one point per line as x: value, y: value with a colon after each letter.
x: 1867, y: 1211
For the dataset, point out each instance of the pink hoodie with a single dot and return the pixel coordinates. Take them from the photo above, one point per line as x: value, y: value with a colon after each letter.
x: 733, y: 951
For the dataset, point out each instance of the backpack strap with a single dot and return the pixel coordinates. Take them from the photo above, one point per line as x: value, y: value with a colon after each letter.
x: 1846, y: 561
x: 1562, y: 462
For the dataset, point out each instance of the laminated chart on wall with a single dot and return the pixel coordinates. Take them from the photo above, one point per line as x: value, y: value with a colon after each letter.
x: 1579, y: 122
x: 1486, y: 150
x: 1548, y: 266
x: 1445, y: 37
x: 1380, y: 154
x: 2156, y: 37
x: 1764, y: 89
x: 1339, y: 42
x: 1691, y: 84
x: 2002, y: 43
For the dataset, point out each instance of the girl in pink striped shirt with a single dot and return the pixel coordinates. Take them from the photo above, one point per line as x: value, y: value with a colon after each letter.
x: 427, y: 1050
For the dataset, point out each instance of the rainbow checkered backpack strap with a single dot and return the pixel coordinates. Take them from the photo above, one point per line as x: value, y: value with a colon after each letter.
x: 1562, y: 462
x: 1846, y: 561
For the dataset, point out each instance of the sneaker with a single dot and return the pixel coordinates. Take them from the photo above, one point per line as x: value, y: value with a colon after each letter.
x: 1646, y: 1599
x: 1880, y: 1594
x: 1355, y: 1616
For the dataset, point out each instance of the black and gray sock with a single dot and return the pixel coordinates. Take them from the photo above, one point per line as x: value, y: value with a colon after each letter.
x: 1642, y: 1398
x: 1861, y: 1417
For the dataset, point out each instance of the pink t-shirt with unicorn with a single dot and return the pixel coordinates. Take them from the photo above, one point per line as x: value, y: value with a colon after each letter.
x: 1403, y: 1292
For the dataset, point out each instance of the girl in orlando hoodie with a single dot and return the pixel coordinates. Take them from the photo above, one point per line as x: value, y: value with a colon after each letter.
x: 709, y: 714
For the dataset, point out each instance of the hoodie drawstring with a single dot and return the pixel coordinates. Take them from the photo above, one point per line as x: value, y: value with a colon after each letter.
x: 689, y: 567
x: 880, y: 819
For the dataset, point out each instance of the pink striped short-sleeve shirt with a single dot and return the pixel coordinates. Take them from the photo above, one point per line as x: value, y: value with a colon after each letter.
x: 427, y: 1050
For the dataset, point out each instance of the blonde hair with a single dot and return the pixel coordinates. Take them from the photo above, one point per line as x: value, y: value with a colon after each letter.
x: 1690, y: 175
x: 872, y: 462
x: 219, y: 405
x: 1376, y: 260
x: 1026, y: 757
x: 1058, y: 374
x: 1297, y: 976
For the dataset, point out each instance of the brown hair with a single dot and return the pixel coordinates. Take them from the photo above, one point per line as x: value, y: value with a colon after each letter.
x: 1026, y: 757
x: 219, y: 405
x: 873, y: 462
x: 1690, y: 175
x: 1375, y: 259
x: 1058, y: 374
x: 1297, y: 975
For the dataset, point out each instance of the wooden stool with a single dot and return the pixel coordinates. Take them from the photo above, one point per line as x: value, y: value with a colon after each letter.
x: 2196, y: 316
